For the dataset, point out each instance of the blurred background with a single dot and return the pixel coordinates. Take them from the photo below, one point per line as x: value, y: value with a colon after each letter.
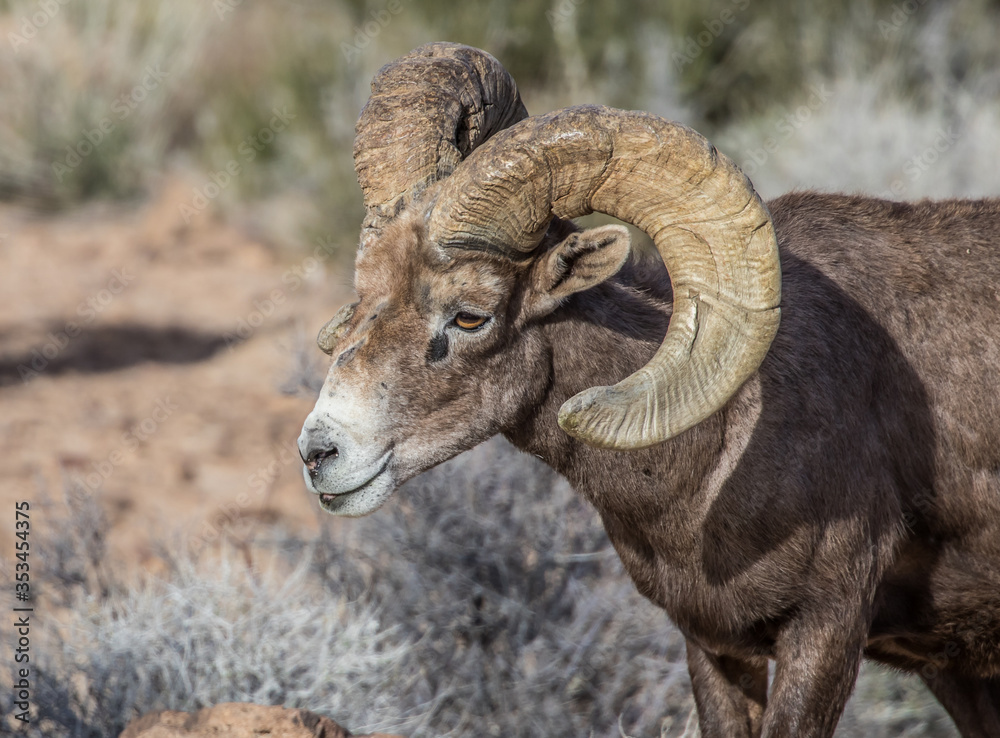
x: 178, y: 216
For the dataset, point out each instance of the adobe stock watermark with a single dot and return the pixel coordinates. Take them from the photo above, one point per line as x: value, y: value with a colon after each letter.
x: 223, y: 8
x: 293, y: 278
x: 694, y: 46
x: 916, y: 166
x: 230, y: 517
x: 982, y: 627
x: 248, y: 149
x: 901, y: 13
x: 128, y: 444
x: 563, y: 12
x: 373, y: 25
x: 30, y: 25
x: 87, y: 310
x: 787, y: 124
x: 121, y: 108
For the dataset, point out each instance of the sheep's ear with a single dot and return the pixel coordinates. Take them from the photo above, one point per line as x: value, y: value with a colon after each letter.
x: 581, y: 261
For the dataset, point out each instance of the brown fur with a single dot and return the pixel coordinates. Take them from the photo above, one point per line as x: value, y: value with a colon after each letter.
x: 845, y: 501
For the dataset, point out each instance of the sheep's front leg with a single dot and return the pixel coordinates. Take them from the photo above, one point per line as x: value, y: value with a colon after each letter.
x: 730, y: 693
x: 816, y: 665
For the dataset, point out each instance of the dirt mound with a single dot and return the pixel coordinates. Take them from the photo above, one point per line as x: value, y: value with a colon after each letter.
x: 237, y: 720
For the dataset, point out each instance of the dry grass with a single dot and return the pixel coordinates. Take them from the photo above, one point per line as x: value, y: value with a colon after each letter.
x: 485, y: 600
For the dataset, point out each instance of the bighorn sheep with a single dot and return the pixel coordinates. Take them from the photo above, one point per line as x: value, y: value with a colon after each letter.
x: 806, y: 493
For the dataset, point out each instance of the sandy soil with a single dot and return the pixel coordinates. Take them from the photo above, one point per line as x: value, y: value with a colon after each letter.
x: 143, y: 360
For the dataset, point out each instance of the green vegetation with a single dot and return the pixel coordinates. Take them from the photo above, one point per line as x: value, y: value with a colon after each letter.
x: 104, y: 99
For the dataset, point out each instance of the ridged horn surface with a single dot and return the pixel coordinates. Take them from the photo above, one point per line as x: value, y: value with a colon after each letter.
x: 427, y: 111
x: 712, y: 230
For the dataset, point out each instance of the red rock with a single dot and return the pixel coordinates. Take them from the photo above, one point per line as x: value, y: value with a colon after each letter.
x: 238, y: 720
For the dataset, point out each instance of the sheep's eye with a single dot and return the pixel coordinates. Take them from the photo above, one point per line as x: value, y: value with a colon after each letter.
x: 470, y: 322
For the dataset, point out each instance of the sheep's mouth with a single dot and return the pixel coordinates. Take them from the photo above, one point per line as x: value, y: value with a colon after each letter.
x: 335, y: 502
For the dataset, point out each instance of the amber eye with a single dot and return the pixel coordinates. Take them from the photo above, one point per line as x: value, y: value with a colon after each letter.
x: 470, y: 321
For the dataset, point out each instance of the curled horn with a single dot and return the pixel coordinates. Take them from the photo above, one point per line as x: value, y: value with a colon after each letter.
x: 712, y: 230
x: 428, y: 110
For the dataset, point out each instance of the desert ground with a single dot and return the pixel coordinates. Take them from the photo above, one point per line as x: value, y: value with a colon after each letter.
x: 157, y: 366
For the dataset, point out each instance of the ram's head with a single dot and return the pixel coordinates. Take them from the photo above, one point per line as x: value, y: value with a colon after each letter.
x: 467, y: 258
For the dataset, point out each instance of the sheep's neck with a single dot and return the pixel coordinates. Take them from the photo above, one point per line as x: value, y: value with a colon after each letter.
x: 639, y: 494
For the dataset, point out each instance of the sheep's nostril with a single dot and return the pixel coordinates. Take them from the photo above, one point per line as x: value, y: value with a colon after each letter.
x: 315, y: 459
